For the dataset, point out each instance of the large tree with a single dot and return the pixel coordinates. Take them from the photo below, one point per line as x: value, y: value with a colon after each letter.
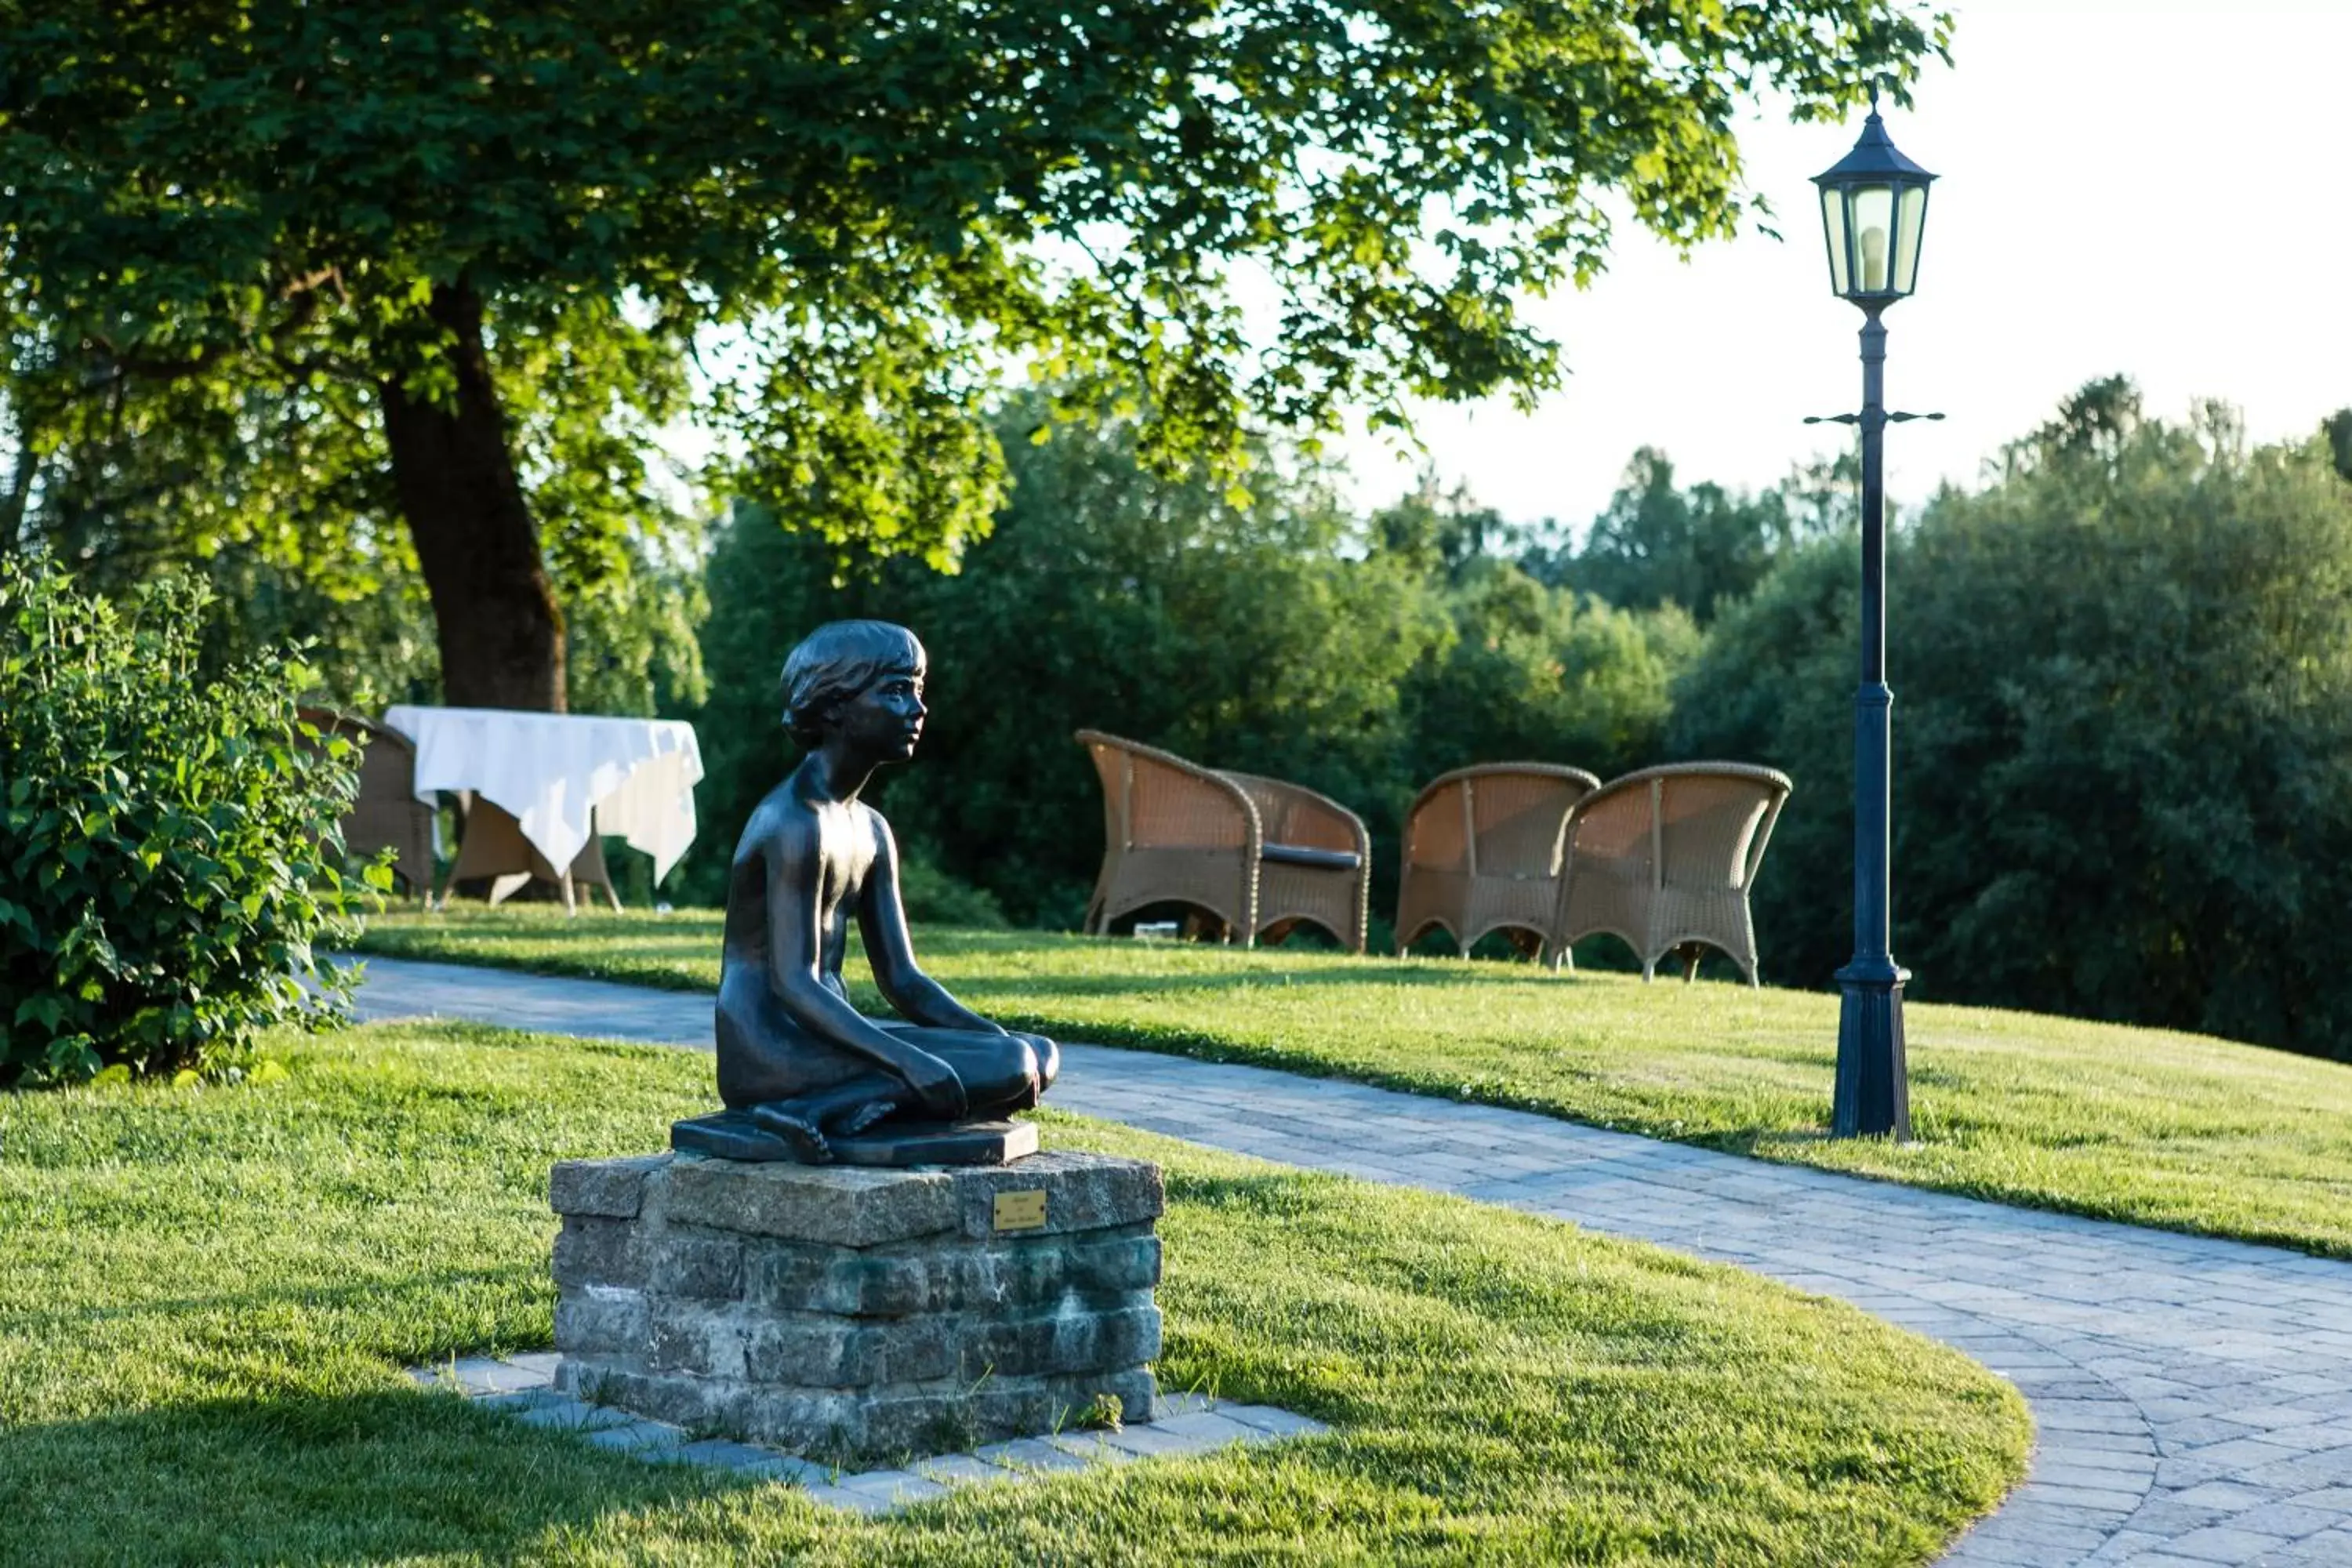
x: 444, y: 262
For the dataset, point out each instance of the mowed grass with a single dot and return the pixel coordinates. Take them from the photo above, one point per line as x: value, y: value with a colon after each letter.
x: 207, y: 1295
x: 2142, y: 1125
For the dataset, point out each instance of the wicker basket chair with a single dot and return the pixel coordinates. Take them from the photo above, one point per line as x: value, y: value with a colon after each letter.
x: 492, y: 846
x: 1314, y: 861
x: 386, y: 815
x: 1664, y: 859
x: 1173, y: 832
x: 1482, y: 852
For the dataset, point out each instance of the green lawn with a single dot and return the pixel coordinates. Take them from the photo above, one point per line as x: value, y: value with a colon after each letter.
x: 206, y: 1296
x: 2141, y: 1125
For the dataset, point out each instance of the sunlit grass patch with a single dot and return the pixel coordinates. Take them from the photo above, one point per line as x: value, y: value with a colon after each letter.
x: 207, y: 1296
x: 2142, y: 1125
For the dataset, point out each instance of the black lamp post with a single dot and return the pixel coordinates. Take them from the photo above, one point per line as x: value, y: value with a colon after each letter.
x: 1873, y: 212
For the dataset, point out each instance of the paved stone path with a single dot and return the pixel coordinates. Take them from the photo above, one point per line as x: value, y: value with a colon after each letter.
x: 2194, y: 1397
x: 523, y: 1386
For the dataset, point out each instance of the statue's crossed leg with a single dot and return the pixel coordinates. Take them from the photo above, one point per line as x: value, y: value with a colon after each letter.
x: 1000, y: 1073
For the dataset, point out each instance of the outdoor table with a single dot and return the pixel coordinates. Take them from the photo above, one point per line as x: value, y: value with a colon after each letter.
x: 563, y: 778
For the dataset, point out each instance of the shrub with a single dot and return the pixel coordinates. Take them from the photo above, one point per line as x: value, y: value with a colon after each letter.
x: 168, y: 846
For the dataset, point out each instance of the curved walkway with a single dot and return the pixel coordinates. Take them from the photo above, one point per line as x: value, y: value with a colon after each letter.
x: 2194, y: 1397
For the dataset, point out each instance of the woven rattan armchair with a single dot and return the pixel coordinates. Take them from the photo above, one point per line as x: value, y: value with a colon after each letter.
x: 386, y: 815
x: 1257, y: 854
x: 1482, y: 852
x: 493, y: 846
x: 1664, y: 859
x: 1314, y: 861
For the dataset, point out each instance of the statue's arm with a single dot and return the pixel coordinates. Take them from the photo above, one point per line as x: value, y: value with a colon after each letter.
x: 882, y: 922
x: 795, y: 956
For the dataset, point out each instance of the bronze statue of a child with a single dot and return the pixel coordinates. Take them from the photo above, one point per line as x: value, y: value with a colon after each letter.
x: 792, y: 1052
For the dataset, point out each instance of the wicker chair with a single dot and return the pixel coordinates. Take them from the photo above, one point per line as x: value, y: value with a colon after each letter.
x: 1664, y: 859
x: 1482, y: 852
x: 493, y: 847
x: 386, y: 815
x: 1314, y: 862
x: 1257, y: 854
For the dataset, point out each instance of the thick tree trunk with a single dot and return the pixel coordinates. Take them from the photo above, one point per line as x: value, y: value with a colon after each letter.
x: 500, y: 632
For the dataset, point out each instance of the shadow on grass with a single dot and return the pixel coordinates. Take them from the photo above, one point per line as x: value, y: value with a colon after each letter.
x: 352, y: 1478
x: 1253, y: 978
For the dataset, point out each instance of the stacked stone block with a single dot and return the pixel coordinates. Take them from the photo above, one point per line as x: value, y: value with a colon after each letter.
x: 843, y: 1311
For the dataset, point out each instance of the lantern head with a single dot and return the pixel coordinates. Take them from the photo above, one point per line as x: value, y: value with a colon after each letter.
x: 1873, y: 214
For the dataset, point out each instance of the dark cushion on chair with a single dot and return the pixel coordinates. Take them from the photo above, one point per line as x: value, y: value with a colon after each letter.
x: 1300, y: 855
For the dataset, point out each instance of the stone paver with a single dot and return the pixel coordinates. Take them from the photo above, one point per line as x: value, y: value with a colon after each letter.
x: 523, y: 1386
x: 2193, y: 1397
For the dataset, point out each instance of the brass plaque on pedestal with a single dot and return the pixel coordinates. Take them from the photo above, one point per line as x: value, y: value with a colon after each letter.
x: 1020, y: 1211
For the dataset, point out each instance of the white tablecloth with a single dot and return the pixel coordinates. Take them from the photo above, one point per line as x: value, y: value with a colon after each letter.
x: 552, y: 769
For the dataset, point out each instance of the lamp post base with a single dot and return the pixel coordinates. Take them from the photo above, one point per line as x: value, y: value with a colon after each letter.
x: 1873, y: 1087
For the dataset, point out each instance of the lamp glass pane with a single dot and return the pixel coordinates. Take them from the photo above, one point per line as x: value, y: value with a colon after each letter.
x: 1910, y: 223
x: 1833, y: 225
x: 1873, y: 236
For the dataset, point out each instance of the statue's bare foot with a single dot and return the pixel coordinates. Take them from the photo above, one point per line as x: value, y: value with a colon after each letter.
x: 802, y: 1133
x: 858, y: 1118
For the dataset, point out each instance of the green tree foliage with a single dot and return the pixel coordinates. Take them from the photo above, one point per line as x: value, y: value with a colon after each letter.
x: 629, y: 635
x: 2123, y: 730
x: 1700, y: 548
x: 1533, y: 673
x: 1255, y: 633
x: 1526, y: 670
x: 2337, y: 432
x: 432, y: 270
x: 168, y: 846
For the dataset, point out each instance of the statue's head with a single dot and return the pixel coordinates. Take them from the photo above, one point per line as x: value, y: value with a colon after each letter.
x: 860, y: 677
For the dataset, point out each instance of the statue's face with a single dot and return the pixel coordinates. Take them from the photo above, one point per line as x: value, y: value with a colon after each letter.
x: 885, y: 719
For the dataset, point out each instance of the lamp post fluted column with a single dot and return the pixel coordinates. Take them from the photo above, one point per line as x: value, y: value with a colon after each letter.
x: 1873, y: 1091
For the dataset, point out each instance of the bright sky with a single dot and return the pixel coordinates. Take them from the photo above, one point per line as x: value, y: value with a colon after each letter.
x: 2156, y: 189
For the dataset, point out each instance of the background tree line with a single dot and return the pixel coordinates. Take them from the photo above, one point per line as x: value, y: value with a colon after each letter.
x: 1265, y: 630
x: 2123, y: 758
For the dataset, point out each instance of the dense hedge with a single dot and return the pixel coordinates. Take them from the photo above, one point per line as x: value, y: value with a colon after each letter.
x: 168, y: 848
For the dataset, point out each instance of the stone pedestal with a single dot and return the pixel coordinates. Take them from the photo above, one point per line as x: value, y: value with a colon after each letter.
x: 853, y: 1310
